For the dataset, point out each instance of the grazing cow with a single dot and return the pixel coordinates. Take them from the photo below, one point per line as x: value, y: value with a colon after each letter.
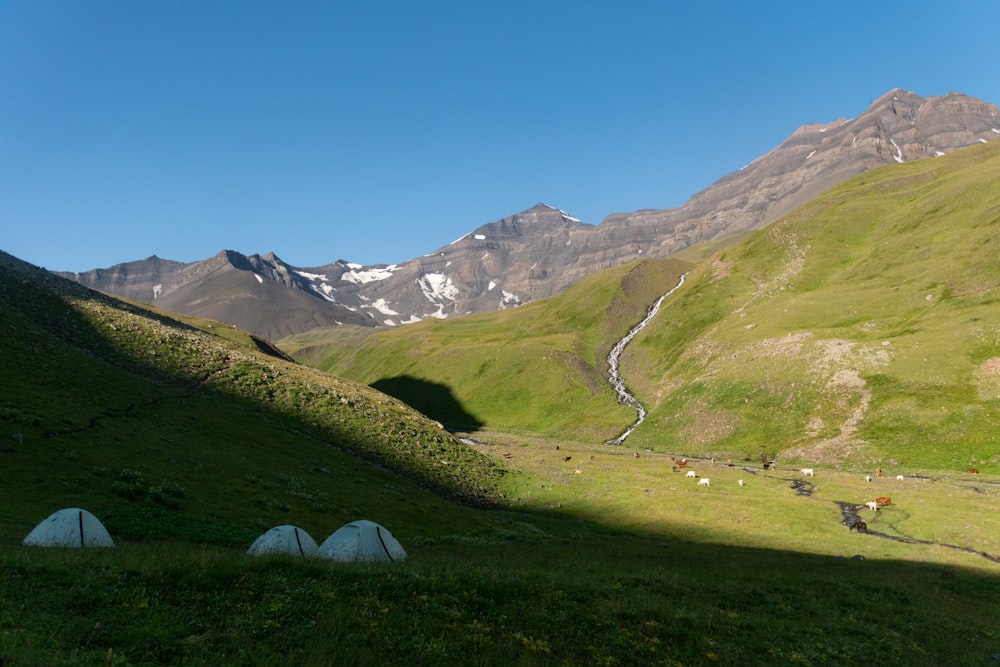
x: 635, y: 454
x: 567, y: 458
x: 859, y: 525
x: 808, y: 472
x: 900, y: 478
x: 704, y: 482
x: 690, y: 473
x: 868, y: 478
x: 879, y: 473
x: 973, y: 471
x: 740, y: 482
x: 882, y: 501
x: 872, y: 505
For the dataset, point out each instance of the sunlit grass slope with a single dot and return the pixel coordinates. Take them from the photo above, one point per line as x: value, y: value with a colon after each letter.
x: 861, y: 329
x: 540, y: 368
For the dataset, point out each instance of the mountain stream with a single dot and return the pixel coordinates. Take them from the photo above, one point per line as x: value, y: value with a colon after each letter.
x: 625, y: 397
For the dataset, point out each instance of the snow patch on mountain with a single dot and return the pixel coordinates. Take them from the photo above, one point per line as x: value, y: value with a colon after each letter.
x: 325, y: 290
x: 359, y: 275
x: 509, y: 300
x: 319, y: 283
x: 382, y: 306
x: 437, y: 287
x: 898, y: 157
x: 565, y: 216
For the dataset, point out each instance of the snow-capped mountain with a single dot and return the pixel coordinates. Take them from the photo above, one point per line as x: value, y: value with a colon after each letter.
x: 541, y: 251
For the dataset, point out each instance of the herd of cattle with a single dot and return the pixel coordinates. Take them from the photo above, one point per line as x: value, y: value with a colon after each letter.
x: 857, y: 523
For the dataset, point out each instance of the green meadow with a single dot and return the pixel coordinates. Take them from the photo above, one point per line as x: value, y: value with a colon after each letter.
x: 858, y: 333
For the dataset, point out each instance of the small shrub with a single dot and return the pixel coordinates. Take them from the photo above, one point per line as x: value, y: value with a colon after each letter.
x: 167, y: 494
x: 129, y: 485
x: 18, y: 417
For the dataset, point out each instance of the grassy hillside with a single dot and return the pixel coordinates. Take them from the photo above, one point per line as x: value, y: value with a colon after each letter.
x: 119, y: 409
x: 859, y: 330
x: 540, y: 368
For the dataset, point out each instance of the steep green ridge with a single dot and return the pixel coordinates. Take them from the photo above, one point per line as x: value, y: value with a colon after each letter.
x: 861, y: 328
x: 132, y: 414
x: 540, y: 368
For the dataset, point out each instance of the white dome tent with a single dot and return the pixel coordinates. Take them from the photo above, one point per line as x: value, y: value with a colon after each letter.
x: 286, y: 539
x: 70, y: 527
x: 362, y: 540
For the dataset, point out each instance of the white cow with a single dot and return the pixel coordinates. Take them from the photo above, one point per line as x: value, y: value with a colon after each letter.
x: 872, y: 505
x: 900, y: 478
x: 808, y: 472
x: 704, y: 482
x: 868, y: 478
x: 741, y: 482
x: 690, y: 473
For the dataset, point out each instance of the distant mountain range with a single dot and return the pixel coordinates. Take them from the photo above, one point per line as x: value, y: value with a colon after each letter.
x: 541, y: 251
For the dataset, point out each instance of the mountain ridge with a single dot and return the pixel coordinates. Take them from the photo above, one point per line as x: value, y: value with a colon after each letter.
x: 543, y: 250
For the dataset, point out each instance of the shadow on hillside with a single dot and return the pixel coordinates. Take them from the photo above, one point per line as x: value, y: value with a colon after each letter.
x: 432, y: 399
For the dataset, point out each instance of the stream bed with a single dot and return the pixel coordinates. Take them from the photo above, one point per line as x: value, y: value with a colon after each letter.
x: 625, y: 397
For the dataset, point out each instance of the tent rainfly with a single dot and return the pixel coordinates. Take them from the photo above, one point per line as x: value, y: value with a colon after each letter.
x: 362, y: 540
x: 286, y: 539
x: 70, y: 527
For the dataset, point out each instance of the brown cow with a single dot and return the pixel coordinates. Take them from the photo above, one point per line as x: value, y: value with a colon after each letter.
x: 882, y: 501
x: 973, y: 471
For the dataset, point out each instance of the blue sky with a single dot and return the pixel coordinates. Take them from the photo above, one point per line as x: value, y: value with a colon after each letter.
x: 379, y: 131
